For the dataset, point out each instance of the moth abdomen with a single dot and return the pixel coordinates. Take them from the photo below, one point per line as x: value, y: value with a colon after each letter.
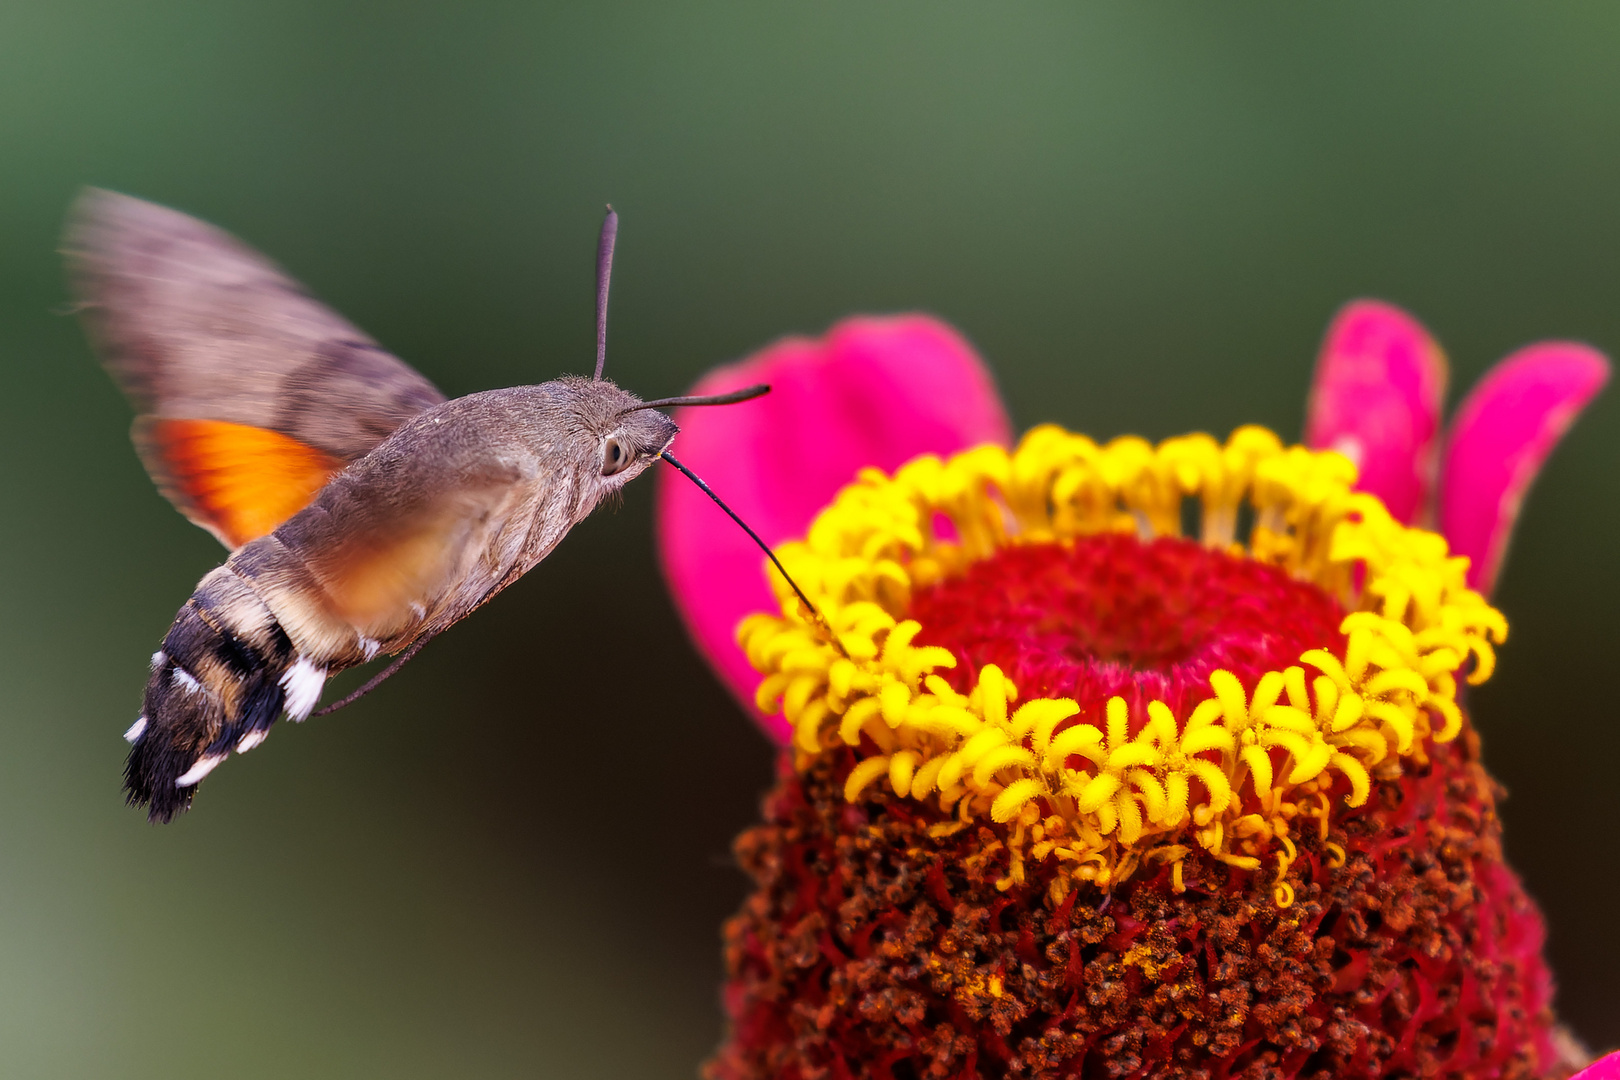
x: 222, y: 678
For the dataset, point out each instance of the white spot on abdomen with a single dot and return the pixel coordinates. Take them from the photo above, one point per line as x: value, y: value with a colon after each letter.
x: 158, y: 659
x: 204, y: 766
x: 135, y: 729
x: 185, y: 681
x: 251, y: 739
x: 302, y: 682
x: 369, y: 646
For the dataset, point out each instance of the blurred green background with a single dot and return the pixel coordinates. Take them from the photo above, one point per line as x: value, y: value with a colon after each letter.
x: 513, y: 859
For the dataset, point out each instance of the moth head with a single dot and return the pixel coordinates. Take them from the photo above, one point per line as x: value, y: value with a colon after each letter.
x: 612, y: 435
x: 634, y: 443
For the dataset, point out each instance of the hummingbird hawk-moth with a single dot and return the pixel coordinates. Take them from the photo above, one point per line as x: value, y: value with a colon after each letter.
x: 365, y: 513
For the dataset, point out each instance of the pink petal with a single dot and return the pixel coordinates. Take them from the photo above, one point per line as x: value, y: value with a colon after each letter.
x: 1499, y: 439
x: 874, y: 391
x: 1605, y: 1068
x: 1376, y: 398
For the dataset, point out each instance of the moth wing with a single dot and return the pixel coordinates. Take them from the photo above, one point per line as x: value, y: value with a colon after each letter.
x: 416, y: 556
x: 236, y: 481
x: 221, y: 352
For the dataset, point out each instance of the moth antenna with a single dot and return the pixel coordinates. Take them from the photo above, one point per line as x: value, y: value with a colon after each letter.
x: 604, y: 271
x: 747, y: 393
x: 379, y: 678
x: 815, y: 613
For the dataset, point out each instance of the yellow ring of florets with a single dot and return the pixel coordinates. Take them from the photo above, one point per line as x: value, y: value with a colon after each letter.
x: 1413, y: 626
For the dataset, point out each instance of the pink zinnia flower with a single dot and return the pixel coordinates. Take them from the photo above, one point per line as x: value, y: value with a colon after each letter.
x: 1151, y: 866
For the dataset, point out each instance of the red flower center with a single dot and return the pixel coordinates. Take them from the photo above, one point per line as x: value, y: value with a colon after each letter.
x: 1110, y: 615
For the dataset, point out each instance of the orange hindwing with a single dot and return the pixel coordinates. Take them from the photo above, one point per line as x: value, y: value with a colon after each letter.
x: 236, y: 481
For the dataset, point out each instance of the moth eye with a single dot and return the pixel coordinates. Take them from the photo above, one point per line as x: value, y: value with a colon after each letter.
x: 616, y: 457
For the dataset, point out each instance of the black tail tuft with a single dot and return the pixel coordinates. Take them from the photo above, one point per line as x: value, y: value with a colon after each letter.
x: 155, y: 762
x: 205, y: 695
